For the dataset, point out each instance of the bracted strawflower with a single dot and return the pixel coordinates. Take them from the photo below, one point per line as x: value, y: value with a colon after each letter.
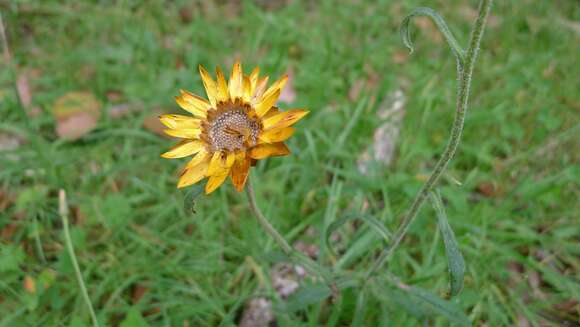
x: 236, y: 126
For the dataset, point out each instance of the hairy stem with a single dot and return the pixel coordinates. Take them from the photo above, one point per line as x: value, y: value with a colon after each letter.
x: 464, y: 79
x: 63, y: 211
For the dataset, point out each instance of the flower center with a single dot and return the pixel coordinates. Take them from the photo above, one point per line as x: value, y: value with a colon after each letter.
x: 233, y: 130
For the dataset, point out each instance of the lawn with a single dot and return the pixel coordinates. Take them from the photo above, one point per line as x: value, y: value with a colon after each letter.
x: 149, y: 254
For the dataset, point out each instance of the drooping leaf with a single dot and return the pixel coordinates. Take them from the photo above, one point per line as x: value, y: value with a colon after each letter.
x: 458, y: 52
x: 454, y: 258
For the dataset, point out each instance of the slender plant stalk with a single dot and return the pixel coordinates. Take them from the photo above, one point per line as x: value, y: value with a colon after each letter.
x: 63, y: 211
x: 465, y: 72
x: 264, y: 221
x: 296, y: 256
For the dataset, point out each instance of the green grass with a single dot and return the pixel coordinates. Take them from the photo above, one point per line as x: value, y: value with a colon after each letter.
x: 128, y: 223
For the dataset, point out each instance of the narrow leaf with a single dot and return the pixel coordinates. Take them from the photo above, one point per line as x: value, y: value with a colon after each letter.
x: 419, y: 302
x: 454, y: 257
x: 441, y: 25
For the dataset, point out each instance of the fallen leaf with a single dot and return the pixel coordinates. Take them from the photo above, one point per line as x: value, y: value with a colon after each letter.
x: 29, y: 284
x: 76, y: 114
x: 288, y: 94
x: 25, y: 96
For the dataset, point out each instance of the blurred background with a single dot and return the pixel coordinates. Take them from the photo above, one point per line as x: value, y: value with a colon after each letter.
x: 82, y: 84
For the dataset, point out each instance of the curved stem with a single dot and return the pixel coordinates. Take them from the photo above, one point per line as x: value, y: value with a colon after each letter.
x: 296, y: 256
x: 462, y: 99
x: 264, y: 222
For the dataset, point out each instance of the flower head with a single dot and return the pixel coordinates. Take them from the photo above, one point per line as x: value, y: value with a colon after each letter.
x: 227, y: 133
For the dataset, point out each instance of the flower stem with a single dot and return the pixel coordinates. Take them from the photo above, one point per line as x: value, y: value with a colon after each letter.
x: 264, y: 222
x: 464, y: 78
x: 296, y: 256
x: 63, y: 211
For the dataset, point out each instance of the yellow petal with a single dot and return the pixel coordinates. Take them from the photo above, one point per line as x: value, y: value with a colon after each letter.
x: 283, y: 119
x: 260, y: 88
x: 196, y: 106
x: 187, y: 133
x: 209, y: 84
x: 192, y: 175
x: 220, y: 163
x: 222, y: 87
x: 247, y: 89
x: 236, y: 78
x: 277, y: 135
x: 202, y: 155
x: 278, y: 85
x: 214, y: 182
x: 179, y: 121
x: 184, y: 149
x: 266, y: 103
x: 266, y: 150
x: 254, y: 79
x: 239, y: 173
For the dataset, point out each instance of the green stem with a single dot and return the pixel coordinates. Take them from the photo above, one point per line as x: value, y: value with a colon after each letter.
x: 465, y: 75
x: 296, y: 256
x: 264, y: 221
x: 64, y: 216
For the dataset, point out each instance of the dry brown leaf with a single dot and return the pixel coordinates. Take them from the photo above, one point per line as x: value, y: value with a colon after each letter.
x: 25, y: 95
x: 76, y: 114
x: 29, y: 284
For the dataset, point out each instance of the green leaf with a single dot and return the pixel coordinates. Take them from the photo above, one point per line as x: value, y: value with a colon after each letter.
x: 133, y: 319
x: 374, y: 223
x: 454, y: 257
x: 192, y: 194
x: 419, y: 302
x: 441, y: 25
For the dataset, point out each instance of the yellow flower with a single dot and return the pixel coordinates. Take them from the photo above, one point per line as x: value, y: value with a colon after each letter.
x: 236, y: 126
